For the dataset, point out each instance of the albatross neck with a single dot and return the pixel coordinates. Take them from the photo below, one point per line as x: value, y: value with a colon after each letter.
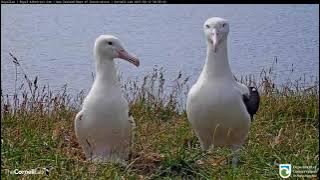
x: 106, y: 72
x: 217, y: 64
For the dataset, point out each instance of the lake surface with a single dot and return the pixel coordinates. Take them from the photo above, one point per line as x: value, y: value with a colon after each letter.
x: 55, y: 42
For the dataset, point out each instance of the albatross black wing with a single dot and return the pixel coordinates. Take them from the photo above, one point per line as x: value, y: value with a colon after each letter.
x: 252, y: 101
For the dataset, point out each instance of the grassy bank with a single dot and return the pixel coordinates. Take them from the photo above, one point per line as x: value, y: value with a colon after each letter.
x: 37, y: 132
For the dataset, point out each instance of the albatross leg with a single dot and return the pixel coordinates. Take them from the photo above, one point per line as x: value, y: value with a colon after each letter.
x: 235, y: 158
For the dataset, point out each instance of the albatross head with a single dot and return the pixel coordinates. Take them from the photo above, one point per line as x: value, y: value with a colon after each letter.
x: 216, y: 31
x: 109, y: 47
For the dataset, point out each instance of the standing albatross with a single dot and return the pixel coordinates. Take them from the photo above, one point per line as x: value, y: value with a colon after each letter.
x: 219, y: 108
x: 103, y: 126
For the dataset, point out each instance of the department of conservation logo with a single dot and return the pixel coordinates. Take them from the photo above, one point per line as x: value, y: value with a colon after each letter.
x: 285, y: 170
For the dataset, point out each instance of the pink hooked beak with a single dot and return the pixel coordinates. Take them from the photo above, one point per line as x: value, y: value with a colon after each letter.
x: 214, y: 36
x: 123, y: 54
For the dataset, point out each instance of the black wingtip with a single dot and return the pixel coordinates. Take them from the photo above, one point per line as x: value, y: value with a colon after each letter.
x: 253, y: 89
x: 252, y: 101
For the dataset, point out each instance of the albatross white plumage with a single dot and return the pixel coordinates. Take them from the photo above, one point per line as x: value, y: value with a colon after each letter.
x: 219, y: 108
x: 103, y: 126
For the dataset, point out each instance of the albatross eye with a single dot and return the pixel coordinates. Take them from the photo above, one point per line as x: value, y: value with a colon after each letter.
x: 207, y: 26
x: 110, y: 43
x: 224, y: 24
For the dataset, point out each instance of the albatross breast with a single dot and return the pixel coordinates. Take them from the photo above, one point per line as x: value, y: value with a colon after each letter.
x: 211, y: 109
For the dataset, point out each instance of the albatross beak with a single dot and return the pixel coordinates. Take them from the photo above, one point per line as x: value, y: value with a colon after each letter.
x: 215, y: 39
x: 123, y: 54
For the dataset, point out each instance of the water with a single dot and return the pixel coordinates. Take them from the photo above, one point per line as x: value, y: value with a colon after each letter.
x: 55, y: 42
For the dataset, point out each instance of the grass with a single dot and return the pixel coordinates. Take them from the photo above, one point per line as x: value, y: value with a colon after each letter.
x: 37, y: 132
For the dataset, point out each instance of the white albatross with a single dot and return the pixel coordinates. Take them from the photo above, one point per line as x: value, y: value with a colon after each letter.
x: 219, y: 108
x: 103, y: 126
